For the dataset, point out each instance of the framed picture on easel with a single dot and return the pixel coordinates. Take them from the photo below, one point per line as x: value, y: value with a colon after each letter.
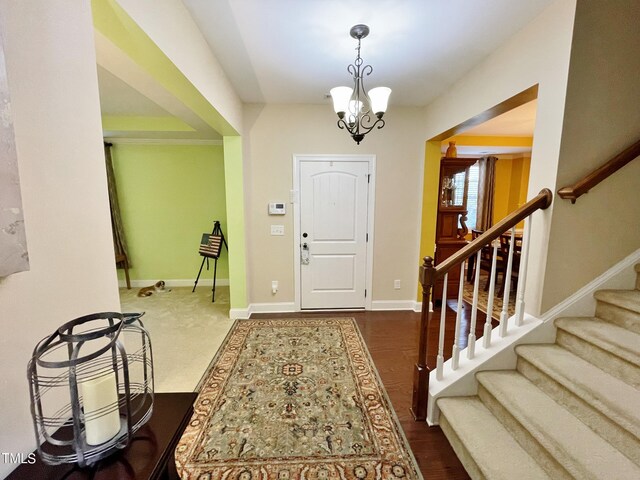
x: 211, y: 247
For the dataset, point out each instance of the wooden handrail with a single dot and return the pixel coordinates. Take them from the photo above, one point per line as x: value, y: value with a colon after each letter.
x: 572, y: 192
x: 428, y: 276
x: 539, y: 202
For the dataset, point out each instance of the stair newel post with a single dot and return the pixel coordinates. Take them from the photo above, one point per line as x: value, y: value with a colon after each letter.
x: 425, y: 364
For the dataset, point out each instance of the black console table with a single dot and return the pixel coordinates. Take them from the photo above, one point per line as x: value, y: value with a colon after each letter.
x: 150, y: 455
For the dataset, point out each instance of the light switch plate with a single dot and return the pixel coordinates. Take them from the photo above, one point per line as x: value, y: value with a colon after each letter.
x: 277, y: 229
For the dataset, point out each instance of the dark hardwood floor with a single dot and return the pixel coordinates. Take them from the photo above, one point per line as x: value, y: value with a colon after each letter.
x: 392, y: 340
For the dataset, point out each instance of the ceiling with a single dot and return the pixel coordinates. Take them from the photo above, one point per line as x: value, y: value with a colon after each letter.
x: 119, y: 98
x: 294, y: 51
x: 517, y: 123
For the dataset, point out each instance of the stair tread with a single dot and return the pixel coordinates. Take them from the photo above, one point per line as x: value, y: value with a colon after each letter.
x: 629, y: 299
x: 582, y: 452
x: 608, y: 394
x: 488, y: 442
x: 608, y: 336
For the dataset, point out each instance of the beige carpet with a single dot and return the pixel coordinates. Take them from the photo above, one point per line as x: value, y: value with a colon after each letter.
x: 186, y: 330
x: 568, y: 410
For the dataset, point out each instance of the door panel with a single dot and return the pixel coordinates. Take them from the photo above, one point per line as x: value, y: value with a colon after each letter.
x: 324, y: 269
x: 333, y: 214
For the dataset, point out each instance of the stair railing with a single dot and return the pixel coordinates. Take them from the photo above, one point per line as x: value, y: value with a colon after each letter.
x: 429, y: 361
x: 572, y: 192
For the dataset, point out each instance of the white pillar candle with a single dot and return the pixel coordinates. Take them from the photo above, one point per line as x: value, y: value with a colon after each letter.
x: 101, y: 413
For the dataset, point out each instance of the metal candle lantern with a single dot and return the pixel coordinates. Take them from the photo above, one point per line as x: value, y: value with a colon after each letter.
x: 91, y: 386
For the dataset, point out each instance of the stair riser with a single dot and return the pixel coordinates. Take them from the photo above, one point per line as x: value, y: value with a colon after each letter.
x: 461, y: 451
x: 527, y: 441
x: 618, y: 315
x: 598, y: 421
x: 607, y: 361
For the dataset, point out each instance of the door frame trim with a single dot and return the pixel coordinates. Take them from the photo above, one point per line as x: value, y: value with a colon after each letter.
x: 295, y: 200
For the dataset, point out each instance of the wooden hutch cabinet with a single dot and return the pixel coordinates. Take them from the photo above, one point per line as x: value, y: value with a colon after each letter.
x: 452, y: 215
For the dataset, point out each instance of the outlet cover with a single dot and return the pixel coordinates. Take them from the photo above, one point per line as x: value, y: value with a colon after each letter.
x: 396, y: 284
x: 277, y: 229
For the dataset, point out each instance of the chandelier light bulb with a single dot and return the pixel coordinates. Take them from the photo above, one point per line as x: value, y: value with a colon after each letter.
x: 341, y: 96
x: 379, y: 97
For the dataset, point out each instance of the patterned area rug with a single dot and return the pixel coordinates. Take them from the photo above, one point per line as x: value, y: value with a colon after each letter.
x: 294, y: 399
x: 483, y: 298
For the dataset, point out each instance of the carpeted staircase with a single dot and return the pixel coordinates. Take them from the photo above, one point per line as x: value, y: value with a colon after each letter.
x: 570, y: 410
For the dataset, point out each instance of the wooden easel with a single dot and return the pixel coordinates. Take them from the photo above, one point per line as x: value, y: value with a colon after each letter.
x: 211, y: 247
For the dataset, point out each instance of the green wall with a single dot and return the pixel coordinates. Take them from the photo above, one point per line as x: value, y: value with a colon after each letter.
x: 234, y: 179
x: 169, y: 196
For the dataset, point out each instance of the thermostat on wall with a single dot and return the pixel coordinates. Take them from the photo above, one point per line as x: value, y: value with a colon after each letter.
x: 276, y: 208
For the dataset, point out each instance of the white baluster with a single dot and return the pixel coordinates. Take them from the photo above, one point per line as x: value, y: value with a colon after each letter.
x: 471, y: 344
x: 486, y: 337
x: 455, y: 354
x: 522, y: 272
x: 504, y: 315
x: 443, y: 315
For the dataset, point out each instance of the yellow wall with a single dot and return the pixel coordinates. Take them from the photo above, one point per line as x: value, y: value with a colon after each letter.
x: 488, y: 141
x: 512, y: 178
x: 429, y: 202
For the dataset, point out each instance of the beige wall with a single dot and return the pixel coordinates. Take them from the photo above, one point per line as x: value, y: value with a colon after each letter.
x: 171, y: 27
x: 538, y: 54
x: 274, y: 133
x: 601, y: 118
x: 54, y: 91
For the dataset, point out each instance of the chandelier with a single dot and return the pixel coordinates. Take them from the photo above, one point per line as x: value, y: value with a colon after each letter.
x: 359, y: 112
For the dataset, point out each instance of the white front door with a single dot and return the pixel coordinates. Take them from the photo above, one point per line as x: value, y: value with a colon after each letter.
x: 333, y: 233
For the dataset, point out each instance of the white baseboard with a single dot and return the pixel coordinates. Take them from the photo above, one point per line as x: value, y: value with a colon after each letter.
x: 582, y: 303
x: 290, y: 307
x: 417, y: 307
x: 378, y: 305
x: 245, y: 313
x: 203, y: 282
x: 240, y: 313
x: 501, y: 354
x: 275, y: 307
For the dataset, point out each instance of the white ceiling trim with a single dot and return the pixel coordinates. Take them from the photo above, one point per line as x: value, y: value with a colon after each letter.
x: 161, y: 141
